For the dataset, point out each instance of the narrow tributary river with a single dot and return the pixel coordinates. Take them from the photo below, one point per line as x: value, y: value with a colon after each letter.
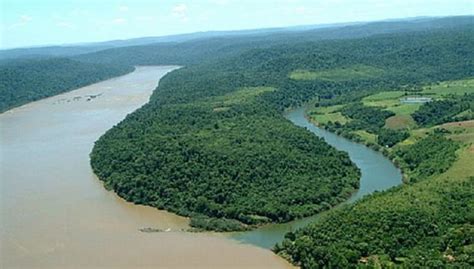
x: 378, y: 173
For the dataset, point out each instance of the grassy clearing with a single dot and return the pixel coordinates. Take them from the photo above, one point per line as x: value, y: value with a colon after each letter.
x: 323, y: 115
x: 390, y: 100
x: 326, y: 109
x: 461, y: 131
x: 382, y: 103
x: 367, y: 137
x: 338, y: 74
x: 415, y: 135
x: 398, y: 122
x: 224, y: 102
x: 458, y: 87
x: 325, y: 118
x: 381, y: 96
x: 463, y: 167
x: 404, y: 109
x: 242, y: 95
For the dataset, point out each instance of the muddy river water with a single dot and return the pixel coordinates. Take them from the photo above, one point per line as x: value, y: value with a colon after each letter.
x: 54, y: 213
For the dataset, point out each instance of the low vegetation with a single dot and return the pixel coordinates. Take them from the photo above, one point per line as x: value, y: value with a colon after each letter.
x: 338, y: 74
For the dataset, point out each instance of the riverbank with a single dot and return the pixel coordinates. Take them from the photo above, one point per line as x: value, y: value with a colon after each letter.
x: 55, y: 212
x: 366, y: 237
x: 366, y: 143
x: 377, y: 174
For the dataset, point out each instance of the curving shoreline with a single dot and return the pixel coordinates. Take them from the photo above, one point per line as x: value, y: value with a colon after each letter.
x: 56, y: 213
x: 374, y: 166
x: 70, y: 213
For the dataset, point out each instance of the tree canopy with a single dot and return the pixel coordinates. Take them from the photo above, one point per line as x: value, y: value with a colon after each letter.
x: 28, y: 80
x: 212, y: 143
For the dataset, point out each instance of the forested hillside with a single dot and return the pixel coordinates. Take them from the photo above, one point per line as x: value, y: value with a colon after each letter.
x: 212, y: 143
x: 28, y: 80
x: 205, y: 49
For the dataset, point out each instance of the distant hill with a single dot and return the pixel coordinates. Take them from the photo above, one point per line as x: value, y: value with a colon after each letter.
x: 323, y: 31
x: 82, y: 48
x: 195, y: 51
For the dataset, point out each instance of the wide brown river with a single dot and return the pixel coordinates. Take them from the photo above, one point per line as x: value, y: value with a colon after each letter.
x: 54, y: 213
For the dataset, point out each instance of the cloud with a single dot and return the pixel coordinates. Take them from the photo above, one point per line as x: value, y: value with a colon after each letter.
x: 145, y: 18
x: 181, y: 11
x: 64, y: 24
x: 305, y: 11
x: 22, y: 21
x: 119, y: 21
x: 25, y: 19
x: 79, y: 12
x: 221, y: 2
x: 123, y: 8
x: 300, y: 10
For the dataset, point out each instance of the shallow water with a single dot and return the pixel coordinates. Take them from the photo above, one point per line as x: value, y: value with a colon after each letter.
x: 377, y: 174
x: 56, y: 214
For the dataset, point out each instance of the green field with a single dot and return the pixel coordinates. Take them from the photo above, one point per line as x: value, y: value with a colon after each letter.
x: 390, y: 100
x: 400, y: 121
x: 431, y: 215
x: 458, y: 87
x: 333, y: 117
x: 404, y: 109
x: 338, y: 74
x: 382, y: 96
x: 367, y: 137
x: 323, y: 115
x: 240, y: 96
x: 461, y: 131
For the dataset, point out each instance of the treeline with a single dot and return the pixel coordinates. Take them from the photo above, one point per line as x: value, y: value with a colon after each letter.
x: 425, y: 225
x: 389, y: 138
x: 226, y: 159
x: 365, y: 118
x: 205, y: 49
x: 212, y: 143
x: 431, y: 155
x: 371, y: 119
x: 446, y: 110
x: 27, y: 80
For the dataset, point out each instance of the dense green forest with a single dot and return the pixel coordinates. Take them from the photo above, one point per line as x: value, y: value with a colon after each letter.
x: 205, y: 49
x: 426, y: 223
x: 28, y: 80
x: 212, y: 143
x: 446, y: 110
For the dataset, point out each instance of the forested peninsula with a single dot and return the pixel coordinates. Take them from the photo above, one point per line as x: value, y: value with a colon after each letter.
x: 212, y: 143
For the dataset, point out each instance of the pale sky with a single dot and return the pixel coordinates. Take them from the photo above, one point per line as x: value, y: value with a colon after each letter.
x: 48, y: 22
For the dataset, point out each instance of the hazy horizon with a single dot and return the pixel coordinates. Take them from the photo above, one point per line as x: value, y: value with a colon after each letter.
x: 27, y: 23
